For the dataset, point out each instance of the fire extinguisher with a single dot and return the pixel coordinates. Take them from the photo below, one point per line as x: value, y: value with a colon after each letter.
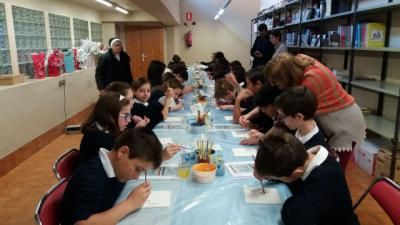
x: 188, y: 39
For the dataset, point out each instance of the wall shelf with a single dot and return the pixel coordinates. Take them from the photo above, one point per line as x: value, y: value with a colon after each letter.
x: 339, y: 15
x: 384, y: 87
x: 380, y: 125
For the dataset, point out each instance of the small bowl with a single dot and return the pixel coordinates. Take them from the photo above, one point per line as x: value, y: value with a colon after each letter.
x: 197, y: 128
x: 204, y: 172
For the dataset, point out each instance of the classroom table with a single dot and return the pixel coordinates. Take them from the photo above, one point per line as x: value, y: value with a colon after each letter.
x: 221, y: 202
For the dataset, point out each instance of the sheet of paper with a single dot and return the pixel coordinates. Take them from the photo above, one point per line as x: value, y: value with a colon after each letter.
x: 242, y: 152
x: 173, y: 119
x: 255, y: 195
x: 165, y: 141
x: 158, y: 199
x: 169, y: 126
x: 228, y: 118
x: 240, y: 134
x: 227, y: 127
x: 243, y: 169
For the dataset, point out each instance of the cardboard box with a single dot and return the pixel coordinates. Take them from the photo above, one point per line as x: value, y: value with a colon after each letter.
x: 11, y: 79
x: 383, y: 162
x: 365, y: 156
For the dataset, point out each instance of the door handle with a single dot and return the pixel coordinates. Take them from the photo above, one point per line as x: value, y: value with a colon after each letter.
x: 143, y: 56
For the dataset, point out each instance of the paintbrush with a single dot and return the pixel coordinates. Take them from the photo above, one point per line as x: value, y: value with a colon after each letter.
x: 262, y: 185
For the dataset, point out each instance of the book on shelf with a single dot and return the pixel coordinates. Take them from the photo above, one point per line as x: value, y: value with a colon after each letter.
x: 370, y: 35
x: 310, y: 38
x: 339, y: 6
x: 292, y: 39
x: 255, y: 26
x: 345, y: 34
x: 334, y: 39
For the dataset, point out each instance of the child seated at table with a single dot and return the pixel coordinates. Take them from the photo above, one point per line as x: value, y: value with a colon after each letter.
x: 124, y: 89
x: 296, y: 108
x: 224, y: 94
x: 96, y: 184
x: 141, y: 106
x: 261, y: 120
x: 182, y: 77
x: 244, y: 99
x: 173, y: 88
x: 109, y: 118
x: 320, y: 195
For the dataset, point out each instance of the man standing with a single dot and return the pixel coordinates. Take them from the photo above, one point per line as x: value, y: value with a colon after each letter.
x: 262, y: 49
x: 113, y: 66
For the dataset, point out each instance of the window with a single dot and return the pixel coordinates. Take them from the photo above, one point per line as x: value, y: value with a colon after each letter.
x: 60, y: 31
x: 30, y: 36
x: 81, y: 30
x: 5, y: 62
x: 96, y: 31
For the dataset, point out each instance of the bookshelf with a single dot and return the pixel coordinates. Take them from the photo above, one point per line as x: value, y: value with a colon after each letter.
x: 357, y: 12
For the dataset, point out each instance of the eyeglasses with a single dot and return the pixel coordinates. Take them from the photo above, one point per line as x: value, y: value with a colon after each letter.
x: 126, y: 116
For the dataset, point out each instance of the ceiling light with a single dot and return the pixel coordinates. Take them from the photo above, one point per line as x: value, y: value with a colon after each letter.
x: 104, y: 2
x: 124, y: 11
x: 221, y: 11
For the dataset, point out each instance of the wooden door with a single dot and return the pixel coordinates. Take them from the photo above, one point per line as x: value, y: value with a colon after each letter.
x: 143, y: 44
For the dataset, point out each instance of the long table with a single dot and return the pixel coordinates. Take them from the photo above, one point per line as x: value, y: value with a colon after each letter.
x: 221, y: 202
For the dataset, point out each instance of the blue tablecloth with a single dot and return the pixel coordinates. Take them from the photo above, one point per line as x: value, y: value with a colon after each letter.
x: 218, y: 203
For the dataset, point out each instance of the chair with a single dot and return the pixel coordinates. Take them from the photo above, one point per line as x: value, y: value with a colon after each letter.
x: 49, y: 208
x: 65, y: 164
x: 387, y: 194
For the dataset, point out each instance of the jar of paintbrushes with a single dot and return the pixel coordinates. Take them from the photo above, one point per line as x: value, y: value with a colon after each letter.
x: 204, y: 150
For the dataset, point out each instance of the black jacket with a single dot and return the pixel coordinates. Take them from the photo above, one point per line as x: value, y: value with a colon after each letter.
x: 109, y: 69
x: 265, y: 47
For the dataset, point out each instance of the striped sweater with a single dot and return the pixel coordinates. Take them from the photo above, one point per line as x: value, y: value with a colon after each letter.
x: 322, y: 82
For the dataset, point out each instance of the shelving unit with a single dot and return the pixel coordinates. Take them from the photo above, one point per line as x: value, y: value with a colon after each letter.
x: 30, y: 36
x: 60, y: 31
x: 357, y: 13
x: 5, y: 61
x: 81, y: 30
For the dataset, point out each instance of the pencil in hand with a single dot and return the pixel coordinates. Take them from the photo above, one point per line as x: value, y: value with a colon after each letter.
x: 262, y: 185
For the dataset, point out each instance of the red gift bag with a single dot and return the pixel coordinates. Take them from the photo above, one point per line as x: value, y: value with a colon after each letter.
x: 38, y: 65
x: 76, y: 62
x: 55, y: 63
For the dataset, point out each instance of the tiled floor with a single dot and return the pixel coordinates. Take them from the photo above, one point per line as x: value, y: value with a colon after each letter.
x: 22, y: 188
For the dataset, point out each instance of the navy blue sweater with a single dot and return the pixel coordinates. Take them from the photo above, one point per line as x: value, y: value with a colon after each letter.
x: 89, y: 191
x: 93, y: 139
x: 317, y: 139
x: 150, y: 112
x: 321, y: 199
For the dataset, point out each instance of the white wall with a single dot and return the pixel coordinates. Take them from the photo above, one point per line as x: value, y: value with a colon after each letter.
x: 264, y: 4
x: 33, y: 108
x: 136, y: 16
x: 173, y: 7
x: 230, y: 34
x: 109, y: 31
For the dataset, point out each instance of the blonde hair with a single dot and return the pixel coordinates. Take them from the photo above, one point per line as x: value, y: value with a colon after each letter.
x: 222, y: 87
x: 287, y: 70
